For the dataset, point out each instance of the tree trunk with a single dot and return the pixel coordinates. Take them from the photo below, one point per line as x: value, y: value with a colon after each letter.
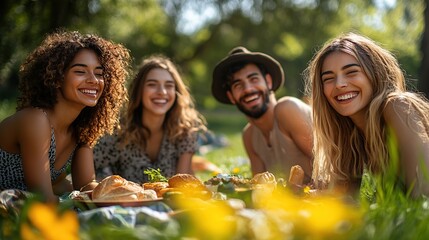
x: 424, y: 67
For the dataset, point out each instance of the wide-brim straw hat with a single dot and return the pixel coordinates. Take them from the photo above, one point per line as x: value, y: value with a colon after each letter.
x: 239, y: 54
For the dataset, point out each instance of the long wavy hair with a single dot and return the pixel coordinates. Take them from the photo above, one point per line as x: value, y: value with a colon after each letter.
x: 43, y: 71
x: 180, y: 121
x: 341, y: 150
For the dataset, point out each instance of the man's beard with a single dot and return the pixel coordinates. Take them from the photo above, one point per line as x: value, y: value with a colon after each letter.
x: 256, y: 111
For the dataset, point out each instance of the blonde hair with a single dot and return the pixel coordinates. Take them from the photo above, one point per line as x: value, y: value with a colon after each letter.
x: 342, y: 151
x: 181, y: 120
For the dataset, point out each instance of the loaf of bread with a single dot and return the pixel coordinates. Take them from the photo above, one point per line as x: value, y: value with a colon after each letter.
x: 116, y: 188
x: 183, y: 180
x: 296, y: 176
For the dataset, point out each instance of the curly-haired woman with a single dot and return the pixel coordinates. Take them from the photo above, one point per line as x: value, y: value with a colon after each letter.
x: 159, y: 127
x: 72, y: 88
x: 359, y: 99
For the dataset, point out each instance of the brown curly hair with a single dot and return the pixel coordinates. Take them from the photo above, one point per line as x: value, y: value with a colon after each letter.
x: 43, y: 71
x: 182, y: 119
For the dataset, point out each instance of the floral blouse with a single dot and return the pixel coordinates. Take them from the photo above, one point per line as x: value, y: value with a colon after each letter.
x: 131, y: 161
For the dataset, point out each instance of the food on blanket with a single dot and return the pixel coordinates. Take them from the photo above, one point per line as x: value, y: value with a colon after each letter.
x: 296, y: 176
x: 265, y: 178
x: 185, y: 181
x: 156, y: 186
x: 116, y: 188
x: 281, y: 183
x: 226, y: 187
x: 186, y: 192
x: 186, y: 184
x: 149, y: 194
x: 78, y: 195
x: 154, y: 175
x: 163, y: 191
x: 222, y: 178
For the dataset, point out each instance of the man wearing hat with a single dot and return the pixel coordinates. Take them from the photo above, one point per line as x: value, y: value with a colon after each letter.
x: 279, y: 133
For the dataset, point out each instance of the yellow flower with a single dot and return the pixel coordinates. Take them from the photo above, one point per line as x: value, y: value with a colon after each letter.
x: 307, y: 190
x: 28, y: 234
x: 50, y: 224
x: 42, y: 216
x: 208, y: 219
x: 317, y: 217
x: 236, y: 170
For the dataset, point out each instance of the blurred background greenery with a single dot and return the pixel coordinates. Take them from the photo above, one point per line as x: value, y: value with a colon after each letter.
x: 196, y: 34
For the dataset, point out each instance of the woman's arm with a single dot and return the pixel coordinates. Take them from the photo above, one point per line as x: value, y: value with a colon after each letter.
x: 184, y: 165
x: 34, y: 138
x: 62, y: 185
x: 413, y: 144
x: 83, y: 173
x: 106, y: 154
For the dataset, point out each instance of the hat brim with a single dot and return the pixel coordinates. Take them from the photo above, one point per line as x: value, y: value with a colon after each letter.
x: 219, y: 87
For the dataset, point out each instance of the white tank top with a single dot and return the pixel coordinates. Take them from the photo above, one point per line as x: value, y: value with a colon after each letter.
x: 281, y: 155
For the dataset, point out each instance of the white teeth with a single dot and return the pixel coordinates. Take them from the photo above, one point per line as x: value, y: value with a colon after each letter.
x: 160, y: 101
x: 347, y: 96
x: 88, y: 91
x: 251, y: 98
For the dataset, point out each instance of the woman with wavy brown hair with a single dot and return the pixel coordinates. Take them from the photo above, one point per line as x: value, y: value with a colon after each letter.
x: 72, y: 87
x: 359, y: 100
x: 159, y: 128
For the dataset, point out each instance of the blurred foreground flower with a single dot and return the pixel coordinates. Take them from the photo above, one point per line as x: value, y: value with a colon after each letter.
x: 206, y: 219
x: 44, y: 222
x: 318, y: 217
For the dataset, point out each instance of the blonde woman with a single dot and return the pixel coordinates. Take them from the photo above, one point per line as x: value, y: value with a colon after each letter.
x: 159, y: 127
x: 358, y: 93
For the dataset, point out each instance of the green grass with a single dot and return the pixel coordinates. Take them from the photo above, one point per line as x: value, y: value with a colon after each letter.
x: 225, y: 122
x: 233, y: 158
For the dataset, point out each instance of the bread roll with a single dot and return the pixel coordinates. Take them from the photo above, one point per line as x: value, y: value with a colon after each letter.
x: 265, y: 181
x: 182, y: 180
x: 156, y: 186
x: 264, y: 178
x: 168, y: 189
x: 296, y: 175
x: 116, y: 188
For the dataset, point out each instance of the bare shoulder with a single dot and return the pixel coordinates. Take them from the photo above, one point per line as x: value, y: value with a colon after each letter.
x: 32, y: 125
x: 397, y: 109
x: 247, y: 131
x: 292, y: 106
x: 29, y: 122
x: 293, y: 115
x: 33, y: 117
x: 29, y: 116
x: 289, y: 103
x: 407, y: 113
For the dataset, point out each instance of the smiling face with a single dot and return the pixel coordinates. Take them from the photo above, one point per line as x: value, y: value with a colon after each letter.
x: 83, y: 80
x: 159, y: 92
x: 250, y: 91
x: 346, y: 86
